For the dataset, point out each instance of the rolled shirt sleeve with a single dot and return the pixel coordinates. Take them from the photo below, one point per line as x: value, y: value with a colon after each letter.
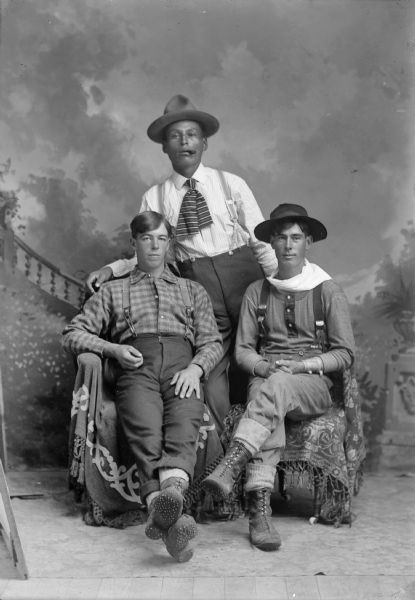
x: 249, y: 216
x: 122, y: 266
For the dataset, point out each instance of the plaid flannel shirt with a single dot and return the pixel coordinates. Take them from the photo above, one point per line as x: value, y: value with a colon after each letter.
x: 157, y: 307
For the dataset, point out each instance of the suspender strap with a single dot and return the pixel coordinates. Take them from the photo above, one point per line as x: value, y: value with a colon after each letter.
x: 319, y: 322
x: 126, y: 304
x: 188, y: 305
x: 230, y: 205
x: 233, y: 213
x: 160, y: 196
x: 261, y: 311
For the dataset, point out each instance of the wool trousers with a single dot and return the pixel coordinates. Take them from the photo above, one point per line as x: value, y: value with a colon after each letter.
x: 160, y: 427
x: 225, y: 278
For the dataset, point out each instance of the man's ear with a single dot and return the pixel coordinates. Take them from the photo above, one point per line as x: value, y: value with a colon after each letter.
x: 132, y: 241
x: 308, y: 241
x: 205, y: 144
x: 163, y: 147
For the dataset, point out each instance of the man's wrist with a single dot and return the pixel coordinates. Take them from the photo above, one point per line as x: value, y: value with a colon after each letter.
x: 313, y: 365
x: 261, y: 369
x: 108, y: 350
x: 200, y: 369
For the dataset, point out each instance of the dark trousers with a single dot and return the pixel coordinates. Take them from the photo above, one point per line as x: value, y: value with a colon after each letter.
x: 225, y: 278
x: 161, y: 428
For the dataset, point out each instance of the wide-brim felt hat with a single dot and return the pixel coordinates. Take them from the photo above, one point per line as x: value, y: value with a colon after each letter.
x: 290, y: 212
x: 179, y: 108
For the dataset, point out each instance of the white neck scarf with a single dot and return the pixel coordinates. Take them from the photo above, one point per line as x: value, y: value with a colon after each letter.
x: 310, y: 277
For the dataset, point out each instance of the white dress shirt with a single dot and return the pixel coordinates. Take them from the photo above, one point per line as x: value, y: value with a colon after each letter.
x: 224, y: 234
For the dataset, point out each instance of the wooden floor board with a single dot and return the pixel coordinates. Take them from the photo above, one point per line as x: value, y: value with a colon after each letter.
x: 362, y: 587
x: 302, y: 588
x: 208, y: 588
x: 240, y: 588
x: 271, y: 588
x: 131, y: 588
x: 177, y: 588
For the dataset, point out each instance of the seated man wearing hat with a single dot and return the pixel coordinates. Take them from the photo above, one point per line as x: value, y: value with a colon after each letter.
x: 214, y: 214
x: 279, y: 345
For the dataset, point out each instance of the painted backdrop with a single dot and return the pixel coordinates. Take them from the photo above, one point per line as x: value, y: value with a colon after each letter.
x: 315, y: 102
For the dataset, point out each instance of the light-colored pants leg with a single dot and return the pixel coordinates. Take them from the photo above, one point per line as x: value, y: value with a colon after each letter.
x: 262, y: 426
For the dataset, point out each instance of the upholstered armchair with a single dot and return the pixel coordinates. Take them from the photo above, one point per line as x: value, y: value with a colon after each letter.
x: 324, y: 454
x: 102, y: 472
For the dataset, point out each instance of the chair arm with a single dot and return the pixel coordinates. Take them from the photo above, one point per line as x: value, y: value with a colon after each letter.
x: 104, y: 367
x: 89, y: 359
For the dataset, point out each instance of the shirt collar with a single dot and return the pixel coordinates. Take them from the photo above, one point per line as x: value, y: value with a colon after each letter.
x: 200, y: 175
x: 137, y: 275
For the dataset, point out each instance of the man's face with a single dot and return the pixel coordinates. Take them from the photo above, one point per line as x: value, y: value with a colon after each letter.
x: 151, y: 248
x: 184, y: 144
x: 290, y: 245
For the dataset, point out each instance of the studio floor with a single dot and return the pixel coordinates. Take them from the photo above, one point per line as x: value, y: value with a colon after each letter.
x: 372, y: 560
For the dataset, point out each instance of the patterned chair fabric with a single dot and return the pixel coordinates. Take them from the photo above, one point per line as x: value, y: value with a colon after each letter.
x: 324, y: 453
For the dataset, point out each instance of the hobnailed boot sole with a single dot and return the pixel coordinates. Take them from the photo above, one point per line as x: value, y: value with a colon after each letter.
x: 152, y: 531
x: 167, y: 508
x: 178, y: 537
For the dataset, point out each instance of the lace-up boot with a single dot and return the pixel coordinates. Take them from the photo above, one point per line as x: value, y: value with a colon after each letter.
x: 262, y: 532
x: 167, y: 507
x: 221, y: 481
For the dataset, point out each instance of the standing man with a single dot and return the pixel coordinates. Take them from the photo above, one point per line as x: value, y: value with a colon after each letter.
x: 280, y: 346
x: 161, y: 334
x: 214, y: 214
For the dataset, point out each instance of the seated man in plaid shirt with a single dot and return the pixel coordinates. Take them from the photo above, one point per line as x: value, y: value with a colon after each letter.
x: 161, y: 334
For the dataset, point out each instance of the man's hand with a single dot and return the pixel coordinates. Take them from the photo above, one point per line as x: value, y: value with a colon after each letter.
x: 128, y: 356
x: 187, y: 381
x: 289, y: 366
x: 96, y: 278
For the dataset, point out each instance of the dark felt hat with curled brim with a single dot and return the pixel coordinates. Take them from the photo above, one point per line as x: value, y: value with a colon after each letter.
x: 286, y: 213
x: 179, y: 108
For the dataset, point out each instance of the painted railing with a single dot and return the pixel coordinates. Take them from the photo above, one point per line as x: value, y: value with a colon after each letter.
x: 17, y: 255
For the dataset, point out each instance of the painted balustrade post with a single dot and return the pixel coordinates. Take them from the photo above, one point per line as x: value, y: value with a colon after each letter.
x: 7, y: 253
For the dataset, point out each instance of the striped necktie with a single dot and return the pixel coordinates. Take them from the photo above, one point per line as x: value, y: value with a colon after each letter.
x: 194, y: 213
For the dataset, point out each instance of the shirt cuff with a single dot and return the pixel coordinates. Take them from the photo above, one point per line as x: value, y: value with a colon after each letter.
x: 332, y: 364
x: 122, y: 267
x: 204, y: 370
x: 101, y: 345
x: 249, y: 362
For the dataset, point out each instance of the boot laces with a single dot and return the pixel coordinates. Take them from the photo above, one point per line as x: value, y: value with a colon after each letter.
x: 261, y: 503
x: 180, y: 484
x: 230, y: 458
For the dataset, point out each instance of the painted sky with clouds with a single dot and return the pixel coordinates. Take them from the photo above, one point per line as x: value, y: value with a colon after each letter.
x: 314, y: 98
